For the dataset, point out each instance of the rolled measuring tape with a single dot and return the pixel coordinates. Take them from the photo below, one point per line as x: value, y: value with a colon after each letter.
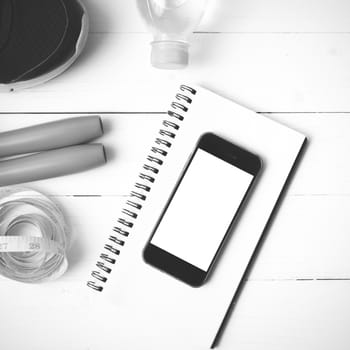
x: 33, y: 236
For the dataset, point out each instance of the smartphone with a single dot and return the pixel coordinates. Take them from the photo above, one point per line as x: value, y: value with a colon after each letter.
x: 202, y: 209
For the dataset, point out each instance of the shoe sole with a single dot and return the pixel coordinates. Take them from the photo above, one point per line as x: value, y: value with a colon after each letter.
x: 11, y: 87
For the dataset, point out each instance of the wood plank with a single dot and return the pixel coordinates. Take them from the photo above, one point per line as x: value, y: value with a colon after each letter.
x: 299, y: 245
x: 274, y: 312
x: 122, y: 16
x: 306, y: 315
x: 278, y: 311
x: 290, y: 315
x: 323, y: 170
x: 268, y: 312
x: 267, y: 72
x: 309, y: 232
x: 308, y: 238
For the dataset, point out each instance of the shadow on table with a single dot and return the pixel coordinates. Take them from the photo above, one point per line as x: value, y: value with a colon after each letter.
x: 259, y: 246
x: 93, y: 44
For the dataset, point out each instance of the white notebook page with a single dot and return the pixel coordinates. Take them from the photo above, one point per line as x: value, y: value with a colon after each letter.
x: 152, y: 310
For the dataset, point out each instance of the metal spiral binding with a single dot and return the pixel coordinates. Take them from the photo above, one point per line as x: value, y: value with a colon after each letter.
x: 107, y: 258
x: 139, y: 194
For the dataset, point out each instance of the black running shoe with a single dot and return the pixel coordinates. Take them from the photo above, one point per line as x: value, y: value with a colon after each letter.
x: 39, y: 39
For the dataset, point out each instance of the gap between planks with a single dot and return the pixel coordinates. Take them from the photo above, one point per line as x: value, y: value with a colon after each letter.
x: 81, y: 112
x: 164, y: 113
x: 231, y: 33
x: 297, y: 279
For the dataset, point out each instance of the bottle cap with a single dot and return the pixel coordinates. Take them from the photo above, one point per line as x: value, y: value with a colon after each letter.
x: 169, y: 54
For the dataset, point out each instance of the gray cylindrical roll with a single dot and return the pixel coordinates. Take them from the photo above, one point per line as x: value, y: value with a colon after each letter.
x: 47, y: 136
x: 52, y: 163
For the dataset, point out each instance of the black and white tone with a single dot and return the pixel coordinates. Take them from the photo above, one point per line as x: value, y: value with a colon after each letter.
x: 174, y: 174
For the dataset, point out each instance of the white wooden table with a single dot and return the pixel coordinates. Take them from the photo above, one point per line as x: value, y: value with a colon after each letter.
x: 287, y: 59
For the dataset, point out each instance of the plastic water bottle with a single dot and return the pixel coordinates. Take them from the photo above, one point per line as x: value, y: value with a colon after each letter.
x: 171, y: 23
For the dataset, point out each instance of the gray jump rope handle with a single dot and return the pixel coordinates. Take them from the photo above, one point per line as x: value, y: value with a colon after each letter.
x: 47, y: 136
x: 52, y: 163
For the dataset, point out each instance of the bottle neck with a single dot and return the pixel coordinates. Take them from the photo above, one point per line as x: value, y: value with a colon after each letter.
x: 169, y: 54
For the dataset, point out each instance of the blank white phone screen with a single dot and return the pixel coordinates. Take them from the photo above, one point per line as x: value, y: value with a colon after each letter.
x: 202, y: 209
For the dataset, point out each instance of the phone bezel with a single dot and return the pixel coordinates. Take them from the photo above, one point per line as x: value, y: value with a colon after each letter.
x: 229, y: 153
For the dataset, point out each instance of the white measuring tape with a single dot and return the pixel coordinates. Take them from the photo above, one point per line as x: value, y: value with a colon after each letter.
x: 28, y: 244
x: 33, y: 236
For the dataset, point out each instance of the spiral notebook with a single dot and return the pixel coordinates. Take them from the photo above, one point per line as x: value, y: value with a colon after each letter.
x: 150, y: 309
